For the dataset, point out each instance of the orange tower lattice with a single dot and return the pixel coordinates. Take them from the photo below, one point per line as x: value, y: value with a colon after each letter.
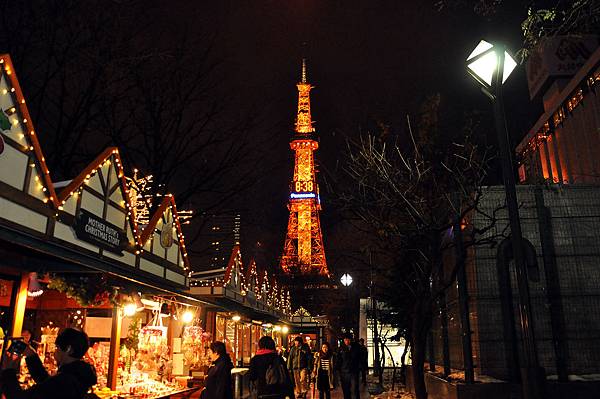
x: 303, y: 251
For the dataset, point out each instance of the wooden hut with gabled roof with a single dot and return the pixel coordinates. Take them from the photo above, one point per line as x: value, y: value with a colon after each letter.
x: 81, y: 227
x: 87, y: 220
x: 233, y: 288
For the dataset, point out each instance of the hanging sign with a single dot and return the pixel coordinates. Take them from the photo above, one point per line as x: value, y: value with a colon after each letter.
x: 558, y: 57
x: 89, y: 227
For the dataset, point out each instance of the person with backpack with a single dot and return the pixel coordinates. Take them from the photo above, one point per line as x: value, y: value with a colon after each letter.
x: 218, y: 380
x: 299, y: 363
x: 324, y: 365
x: 268, y: 373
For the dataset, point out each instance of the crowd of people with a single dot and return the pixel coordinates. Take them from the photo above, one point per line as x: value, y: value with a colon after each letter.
x: 274, y: 373
x: 280, y: 374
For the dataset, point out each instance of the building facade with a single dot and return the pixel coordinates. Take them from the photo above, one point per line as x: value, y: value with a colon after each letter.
x: 561, y: 146
x: 222, y: 232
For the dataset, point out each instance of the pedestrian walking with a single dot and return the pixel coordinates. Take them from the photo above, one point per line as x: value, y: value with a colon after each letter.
x: 268, y: 373
x: 218, y: 380
x: 364, y: 360
x: 299, y: 363
x: 323, y: 371
x: 348, y: 365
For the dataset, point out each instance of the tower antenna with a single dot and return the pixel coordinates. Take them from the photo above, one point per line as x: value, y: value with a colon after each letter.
x: 304, y: 78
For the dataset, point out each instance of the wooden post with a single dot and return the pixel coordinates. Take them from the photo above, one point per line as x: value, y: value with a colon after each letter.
x: 20, y: 305
x: 210, y: 323
x: 115, y: 344
x: 170, y: 335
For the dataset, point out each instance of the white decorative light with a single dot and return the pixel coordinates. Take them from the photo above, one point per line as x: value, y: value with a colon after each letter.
x: 483, y: 61
x: 187, y: 316
x: 34, y: 289
x: 509, y: 66
x: 346, y: 280
x: 129, y: 309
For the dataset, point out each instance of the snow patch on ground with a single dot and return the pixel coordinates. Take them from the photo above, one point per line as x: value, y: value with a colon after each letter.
x: 573, y: 377
x: 486, y: 378
x: 398, y: 394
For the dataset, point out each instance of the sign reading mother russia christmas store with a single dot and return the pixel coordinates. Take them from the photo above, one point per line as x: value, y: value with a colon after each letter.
x: 88, y: 227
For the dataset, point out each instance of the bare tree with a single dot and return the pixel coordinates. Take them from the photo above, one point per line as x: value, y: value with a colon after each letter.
x: 410, y: 198
x: 67, y: 55
x: 113, y: 73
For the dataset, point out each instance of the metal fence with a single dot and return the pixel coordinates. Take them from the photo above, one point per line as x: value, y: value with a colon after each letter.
x: 563, y: 224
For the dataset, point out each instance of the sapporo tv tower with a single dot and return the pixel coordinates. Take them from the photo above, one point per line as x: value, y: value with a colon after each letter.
x: 303, y: 261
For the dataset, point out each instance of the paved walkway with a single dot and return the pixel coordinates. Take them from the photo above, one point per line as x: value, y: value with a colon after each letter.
x: 338, y: 394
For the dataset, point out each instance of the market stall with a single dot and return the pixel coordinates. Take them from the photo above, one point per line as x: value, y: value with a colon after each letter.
x: 161, y: 338
x: 74, y: 254
x: 248, y: 305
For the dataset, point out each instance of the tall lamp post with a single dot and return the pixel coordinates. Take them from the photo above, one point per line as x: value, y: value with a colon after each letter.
x: 490, y: 64
x: 346, y: 281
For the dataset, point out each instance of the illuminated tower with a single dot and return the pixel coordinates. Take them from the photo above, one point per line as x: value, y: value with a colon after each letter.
x: 303, y: 251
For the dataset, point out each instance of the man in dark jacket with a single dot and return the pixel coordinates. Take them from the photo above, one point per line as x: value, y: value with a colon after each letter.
x: 218, y: 379
x: 348, y: 365
x: 266, y: 356
x: 299, y: 363
x: 72, y: 381
x: 364, y: 360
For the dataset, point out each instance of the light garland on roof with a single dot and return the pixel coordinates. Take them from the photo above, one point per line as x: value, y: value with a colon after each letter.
x: 75, y: 189
x: 216, y: 282
x: 24, y: 113
x: 275, y: 295
x: 254, y: 283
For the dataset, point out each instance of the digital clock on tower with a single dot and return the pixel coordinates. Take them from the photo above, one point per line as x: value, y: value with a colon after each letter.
x: 303, y: 186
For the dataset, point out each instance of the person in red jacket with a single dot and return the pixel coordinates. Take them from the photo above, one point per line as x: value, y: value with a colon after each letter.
x: 267, y: 358
x: 72, y: 381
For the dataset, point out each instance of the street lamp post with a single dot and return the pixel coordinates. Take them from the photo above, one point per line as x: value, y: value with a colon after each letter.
x: 491, y: 65
x: 346, y: 281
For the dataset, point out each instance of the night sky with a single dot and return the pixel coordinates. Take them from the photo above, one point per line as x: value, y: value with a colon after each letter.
x: 371, y: 62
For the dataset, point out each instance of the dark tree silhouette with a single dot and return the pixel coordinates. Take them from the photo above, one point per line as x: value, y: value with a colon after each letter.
x: 410, y: 200
x: 114, y: 73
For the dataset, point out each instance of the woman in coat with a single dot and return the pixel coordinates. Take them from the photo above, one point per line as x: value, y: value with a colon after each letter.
x: 218, y: 380
x: 323, y: 371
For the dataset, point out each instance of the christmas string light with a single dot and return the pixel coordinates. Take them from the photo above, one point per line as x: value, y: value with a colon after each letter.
x: 20, y: 110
